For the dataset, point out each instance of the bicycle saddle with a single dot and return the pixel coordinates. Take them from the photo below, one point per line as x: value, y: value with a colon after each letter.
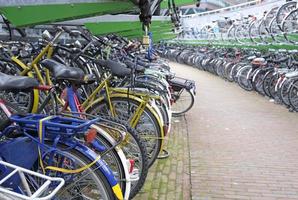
x: 132, y: 65
x: 250, y: 58
x: 117, y: 68
x: 9, y: 82
x: 259, y: 62
x: 62, y: 72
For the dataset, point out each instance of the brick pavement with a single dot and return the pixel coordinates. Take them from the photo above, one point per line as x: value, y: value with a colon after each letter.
x: 170, y: 178
x: 242, y: 145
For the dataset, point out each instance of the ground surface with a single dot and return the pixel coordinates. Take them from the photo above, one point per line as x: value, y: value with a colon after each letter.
x: 233, y: 144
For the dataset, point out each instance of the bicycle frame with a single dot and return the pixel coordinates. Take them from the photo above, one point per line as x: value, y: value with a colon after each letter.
x: 27, y: 69
x: 76, y: 109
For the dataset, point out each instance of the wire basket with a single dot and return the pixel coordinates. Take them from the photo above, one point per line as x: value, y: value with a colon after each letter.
x: 48, y: 186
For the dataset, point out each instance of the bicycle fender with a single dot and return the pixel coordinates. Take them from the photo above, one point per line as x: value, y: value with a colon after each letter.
x: 101, y: 165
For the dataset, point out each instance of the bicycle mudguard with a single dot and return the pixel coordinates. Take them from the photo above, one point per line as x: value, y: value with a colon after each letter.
x: 100, y: 164
x: 121, y: 156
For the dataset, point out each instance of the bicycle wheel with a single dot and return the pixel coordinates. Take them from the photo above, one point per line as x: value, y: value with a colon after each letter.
x: 283, y: 91
x: 267, y: 83
x: 133, y: 148
x: 284, y: 10
x: 290, y: 26
x: 147, y: 127
x: 234, y: 72
x: 23, y: 99
x: 257, y: 81
x: 183, y: 101
x: 293, y: 95
x: 114, y: 161
x: 89, y: 184
x: 227, y: 71
x: 244, y: 79
x: 272, y: 88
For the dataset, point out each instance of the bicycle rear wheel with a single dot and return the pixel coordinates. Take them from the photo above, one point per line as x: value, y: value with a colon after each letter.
x: 133, y: 148
x: 89, y: 184
x: 283, y: 91
x: 293, y: 95
x: 258, y: 80
x: 183, y: 101
x: 147, y: 127
x: 114, y: 162
x: 244, y: 79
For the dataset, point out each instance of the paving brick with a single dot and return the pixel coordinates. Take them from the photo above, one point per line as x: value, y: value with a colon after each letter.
x: 233, y: 144
x: 170, y: 178
x: 239, y: 143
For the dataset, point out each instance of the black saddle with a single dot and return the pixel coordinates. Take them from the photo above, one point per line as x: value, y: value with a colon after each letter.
x: 9, y: 82
x: 62, y: 72
x: 117, y: 68
x: 132, y: 65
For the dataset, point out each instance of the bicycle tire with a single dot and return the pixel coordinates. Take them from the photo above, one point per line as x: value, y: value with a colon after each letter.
x: 227, y: 70
x: 287, y: 35
x: 257, y: 81
x: 188, y: 107
x: 283, y: 92
x: 83, y: 160
x: 243, y: 82
x: 268, y: 81
x: 293, y: 95
x: 116, y: 161
x: 136, y: 186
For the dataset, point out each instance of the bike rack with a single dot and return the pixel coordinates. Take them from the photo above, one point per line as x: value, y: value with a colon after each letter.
x: 8, y: 194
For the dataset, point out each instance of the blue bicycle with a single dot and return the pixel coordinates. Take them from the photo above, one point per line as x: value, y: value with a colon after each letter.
x: 50, y: 145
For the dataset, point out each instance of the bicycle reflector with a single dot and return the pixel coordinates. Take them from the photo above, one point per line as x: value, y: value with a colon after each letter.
x: 131, y: 165
x: 95, y: 144
x: 91, y: 135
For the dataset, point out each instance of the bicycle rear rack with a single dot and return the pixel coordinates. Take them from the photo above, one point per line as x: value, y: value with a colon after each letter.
x: 179, y: 82
x: 40, y: 193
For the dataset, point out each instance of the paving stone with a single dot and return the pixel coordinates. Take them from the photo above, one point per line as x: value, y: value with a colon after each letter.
x: 233, y: 144
x: 165, y: 174
x: 241, y: 146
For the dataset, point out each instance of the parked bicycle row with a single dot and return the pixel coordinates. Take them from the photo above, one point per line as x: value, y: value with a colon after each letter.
x: 273, y: 73
x: 89, y: 113
x: 277, y: 25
